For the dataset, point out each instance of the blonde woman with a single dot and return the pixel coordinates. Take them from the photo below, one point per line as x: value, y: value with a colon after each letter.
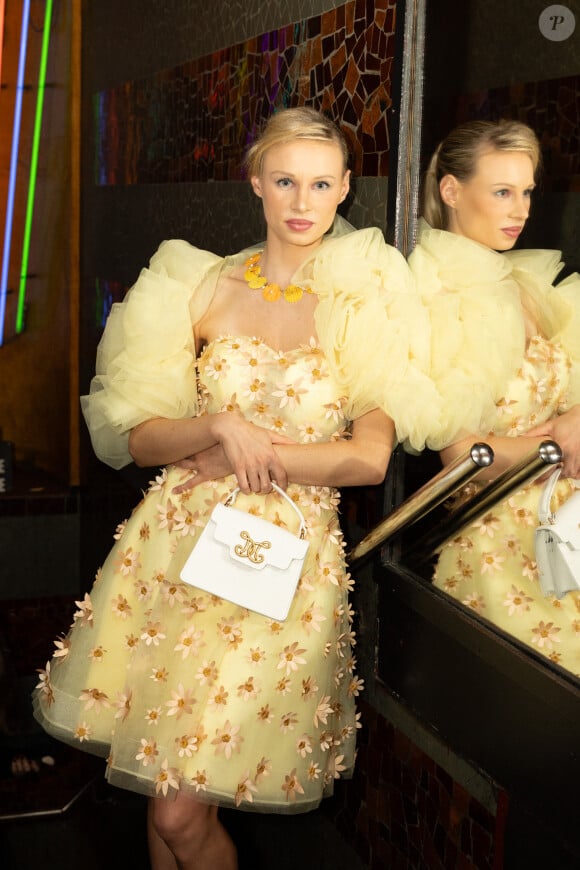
x: 291, y: 362
x: 506, y: 360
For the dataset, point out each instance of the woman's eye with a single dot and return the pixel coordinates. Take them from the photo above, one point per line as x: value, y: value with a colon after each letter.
x: 502, y: 193
x: 284, y: 182
x: 529, y: 192
x: 321, y: 185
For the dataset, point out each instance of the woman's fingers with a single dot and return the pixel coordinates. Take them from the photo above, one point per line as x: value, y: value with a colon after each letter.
x: 253, y: 459
x: 258, y: 477
x: 244, y: 450
x: 277, y: 472
x: 185, y: 487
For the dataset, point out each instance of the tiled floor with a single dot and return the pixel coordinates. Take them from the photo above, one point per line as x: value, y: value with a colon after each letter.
x: 105, y: 828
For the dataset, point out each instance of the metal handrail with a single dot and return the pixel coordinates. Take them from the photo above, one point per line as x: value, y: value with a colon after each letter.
x: 448, y: 481
x: 445, y: 484
x: 531, y: 466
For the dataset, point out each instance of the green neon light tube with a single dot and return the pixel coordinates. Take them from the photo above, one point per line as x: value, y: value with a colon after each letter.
x: 33, y: 167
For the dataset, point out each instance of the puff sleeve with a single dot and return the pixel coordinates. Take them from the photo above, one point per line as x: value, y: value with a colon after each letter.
x: 146, y: 358
x: 375, y: 332
x: 477, y: 328
x: 557, y: 306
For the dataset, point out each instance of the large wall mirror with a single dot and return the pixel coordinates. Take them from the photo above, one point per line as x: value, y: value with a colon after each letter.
x: 483, y: 59
x: 516, y: 60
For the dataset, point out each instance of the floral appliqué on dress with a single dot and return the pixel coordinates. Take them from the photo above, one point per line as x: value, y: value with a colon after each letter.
x: 183, y: 691
x: 491, y: 566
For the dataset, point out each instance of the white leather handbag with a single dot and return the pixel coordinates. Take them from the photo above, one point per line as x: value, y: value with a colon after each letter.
x: 557, y: 541
x: 248, y: 560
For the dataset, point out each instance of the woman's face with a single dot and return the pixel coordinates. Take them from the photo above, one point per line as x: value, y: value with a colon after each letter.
x: 493, y: 205
x: 301, y: 185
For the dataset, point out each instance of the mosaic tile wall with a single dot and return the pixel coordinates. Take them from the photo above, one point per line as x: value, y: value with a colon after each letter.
x: 402, y: 810
x: 159, y: 34
x: 551, y: 108
x: 195, y: 121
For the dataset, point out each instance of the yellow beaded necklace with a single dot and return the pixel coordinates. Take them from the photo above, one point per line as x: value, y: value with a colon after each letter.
x: 271, y: 292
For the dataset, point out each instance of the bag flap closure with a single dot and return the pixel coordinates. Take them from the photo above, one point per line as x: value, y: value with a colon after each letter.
x: 253, y: 541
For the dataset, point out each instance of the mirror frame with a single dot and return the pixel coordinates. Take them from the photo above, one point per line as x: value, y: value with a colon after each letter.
x: 406, y: 135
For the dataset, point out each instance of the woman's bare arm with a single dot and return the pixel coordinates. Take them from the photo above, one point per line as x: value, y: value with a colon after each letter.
x: 506, y: 450
x: 564, y: 430
x: 248, y: 448
x: 359, y: 460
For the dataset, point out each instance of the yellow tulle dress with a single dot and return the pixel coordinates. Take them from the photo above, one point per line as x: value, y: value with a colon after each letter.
x: 493, y: 381
x: 178, y: 689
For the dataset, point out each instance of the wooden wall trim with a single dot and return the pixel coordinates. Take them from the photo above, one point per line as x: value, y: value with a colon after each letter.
x: 74, y: 243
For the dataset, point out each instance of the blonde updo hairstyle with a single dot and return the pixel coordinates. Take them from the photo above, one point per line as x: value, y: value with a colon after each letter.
x: 287, y: 125
x: 458, y: 154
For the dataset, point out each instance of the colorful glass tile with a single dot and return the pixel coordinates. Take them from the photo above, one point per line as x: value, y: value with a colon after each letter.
x: 194, y: 122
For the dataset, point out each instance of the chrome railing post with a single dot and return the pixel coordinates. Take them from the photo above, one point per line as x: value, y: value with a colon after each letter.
x: 449, y: 480
x: 513, y: 479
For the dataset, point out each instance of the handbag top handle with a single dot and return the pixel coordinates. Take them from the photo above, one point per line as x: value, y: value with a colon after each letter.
x: 233, y: 495
x: 545, y: 514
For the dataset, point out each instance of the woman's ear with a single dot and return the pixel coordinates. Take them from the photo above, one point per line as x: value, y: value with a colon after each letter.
x: 345, y: 186
x: 449, y: 189
x: 256, y: 183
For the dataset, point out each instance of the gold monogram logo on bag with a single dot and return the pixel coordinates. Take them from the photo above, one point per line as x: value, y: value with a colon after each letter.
x: 251, y: 549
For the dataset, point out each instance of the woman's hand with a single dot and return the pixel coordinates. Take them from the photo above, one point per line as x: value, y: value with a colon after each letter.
x: 360, y: 460
x: 243, y: 449
x: 565, y: 431
x: 210, y: 464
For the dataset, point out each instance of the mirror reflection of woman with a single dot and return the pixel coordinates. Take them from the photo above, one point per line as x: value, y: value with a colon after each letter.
x: 506, y: 357
x: 289, y: 362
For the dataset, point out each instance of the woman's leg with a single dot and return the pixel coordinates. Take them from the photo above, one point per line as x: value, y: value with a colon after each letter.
x: 185, y: 834
x: 160, y: 855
